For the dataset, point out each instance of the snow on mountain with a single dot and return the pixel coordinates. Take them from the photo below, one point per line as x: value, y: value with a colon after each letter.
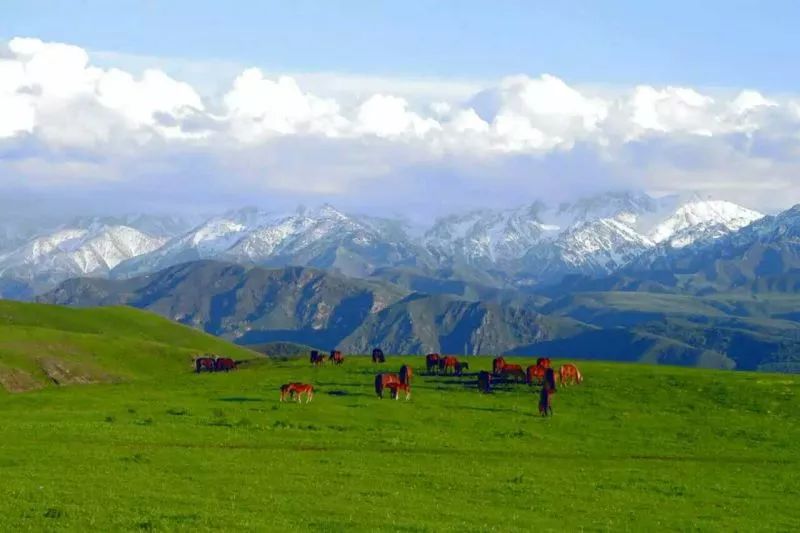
x: 488, y: 235
x: 696, y: 220
x: 71, y: 251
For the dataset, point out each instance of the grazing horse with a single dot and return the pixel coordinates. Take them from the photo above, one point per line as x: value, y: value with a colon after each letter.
x: 497, y: 365
x: 515, y: 371
x: 377, y: 356
x: 395, y: 389
x: 535, y: 373
x: 485, y: 381
x: 383, y: 380
x: 432, y: 362
x: 543, y: 362
x: 204, y: 363
x: 546, y: 394
x: 317, y: 359
x: 406, y: 373
x: 569, y: 373
x: 337, y: 357
x: 292, y: 389
x: 460, y: 367
x: 224, y: 363
x: 448, y: 362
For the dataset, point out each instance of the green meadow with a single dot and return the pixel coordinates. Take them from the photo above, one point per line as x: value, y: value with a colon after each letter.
x: 132, y: 439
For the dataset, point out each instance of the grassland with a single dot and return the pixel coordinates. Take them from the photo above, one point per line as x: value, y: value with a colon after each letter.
x: 635, y: 447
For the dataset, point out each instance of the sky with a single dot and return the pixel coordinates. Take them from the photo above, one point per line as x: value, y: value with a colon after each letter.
x: 394, y: 107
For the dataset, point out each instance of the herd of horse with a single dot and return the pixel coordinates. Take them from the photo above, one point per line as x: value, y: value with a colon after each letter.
x: 542, y: 373
x: 210, y: 363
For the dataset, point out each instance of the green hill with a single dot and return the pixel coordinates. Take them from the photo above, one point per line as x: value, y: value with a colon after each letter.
x: 46, y: 344
x: 634, y: 448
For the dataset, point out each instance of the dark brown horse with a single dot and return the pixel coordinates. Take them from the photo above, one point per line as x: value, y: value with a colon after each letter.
x: 383, y: 380
x: 336, y: 357
x: 406, y: 373
x: 460, y: 367
x: 485, y: 381
x: 432, y: 362
x: 546, y: 394
x: 224, y: 363
x: 204, y: 363
x: 377, y: 356
x: 317, y: 359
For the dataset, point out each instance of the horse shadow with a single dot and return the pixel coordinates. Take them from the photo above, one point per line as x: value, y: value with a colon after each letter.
x: 239, y: 399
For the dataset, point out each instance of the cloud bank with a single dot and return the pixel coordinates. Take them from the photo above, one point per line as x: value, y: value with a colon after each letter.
x: 74, y: 130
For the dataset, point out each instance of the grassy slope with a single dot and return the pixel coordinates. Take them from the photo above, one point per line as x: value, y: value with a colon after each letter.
x: 107, y: 344
x: 635, y: 447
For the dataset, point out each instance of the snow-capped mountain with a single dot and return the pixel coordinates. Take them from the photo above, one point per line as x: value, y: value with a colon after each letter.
x: 488, y: 236
x: 530, y: 244
x: 697, y: 220
x: 323, y: 237
x: 75, y: 251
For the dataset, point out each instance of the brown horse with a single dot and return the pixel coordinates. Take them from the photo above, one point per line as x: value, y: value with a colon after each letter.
x: 485, y: 381
x: 432, y: 362
x: 204, y: 363
x: 497, y: 365
x: 514, y: 371
x: 406, y: 373
x: 377, y: 356
x: 383, y: 380
x: 298, y: 389
x: 317, y: 359
x: 570, y: 374
x: 543, y: 362
x: 460, y: 367
x: 395, y: 389
x: 336, y: 357
x: 448, y: 362
x: 535, y: 373
x: 224, y: 363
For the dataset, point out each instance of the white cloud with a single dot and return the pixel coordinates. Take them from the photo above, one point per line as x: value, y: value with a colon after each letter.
x: 66, y: 118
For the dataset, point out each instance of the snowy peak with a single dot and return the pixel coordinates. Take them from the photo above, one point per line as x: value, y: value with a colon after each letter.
x: 707, y: 219
x: 71, y: 251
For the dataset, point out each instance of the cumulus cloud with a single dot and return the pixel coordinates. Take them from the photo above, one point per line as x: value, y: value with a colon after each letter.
x: 64, y: 120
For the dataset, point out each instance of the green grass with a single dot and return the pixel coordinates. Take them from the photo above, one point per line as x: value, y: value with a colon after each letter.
x: 636, y: 447
x: 39, y: 343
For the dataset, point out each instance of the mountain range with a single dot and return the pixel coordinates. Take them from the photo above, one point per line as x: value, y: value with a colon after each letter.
x: 528, y: 246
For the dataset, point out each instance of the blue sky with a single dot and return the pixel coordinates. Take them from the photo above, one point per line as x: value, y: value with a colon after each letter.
x: 701, y: 43
x: 386, y: 105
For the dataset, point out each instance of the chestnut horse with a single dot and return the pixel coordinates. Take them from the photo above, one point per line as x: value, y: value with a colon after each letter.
x: 448, y: 362
x: 395, y: 389
x: 383, y: 380
x: 406, y: 373
x: 292, y: 389
x: 515, y: 371
x: 569, y: 373
x: 543, y: 362
x: 337, y: 357
x: 497, y: 365
x: 535, y: 373
x: 432, y: 362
